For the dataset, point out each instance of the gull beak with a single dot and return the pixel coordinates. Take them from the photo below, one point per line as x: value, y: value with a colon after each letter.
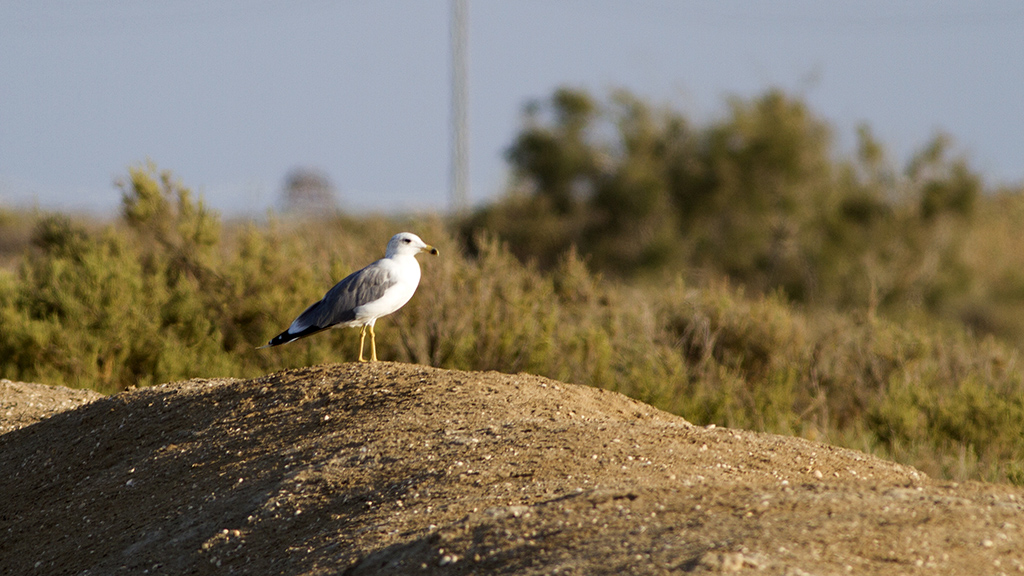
x: 430, y: 249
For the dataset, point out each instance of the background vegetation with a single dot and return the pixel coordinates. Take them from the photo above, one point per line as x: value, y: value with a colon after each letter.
x: 742, y: 273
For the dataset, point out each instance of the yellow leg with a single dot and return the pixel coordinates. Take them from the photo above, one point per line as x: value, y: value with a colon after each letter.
x: 362, y: 337
x: 373, y: 345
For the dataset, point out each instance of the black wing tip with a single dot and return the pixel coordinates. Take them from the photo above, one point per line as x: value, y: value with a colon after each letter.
x: 286, y: 337
x: 282, y: 338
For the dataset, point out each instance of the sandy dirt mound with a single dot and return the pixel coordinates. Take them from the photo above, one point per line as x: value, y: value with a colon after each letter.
x: 398, y: 469
x: 22, y: 403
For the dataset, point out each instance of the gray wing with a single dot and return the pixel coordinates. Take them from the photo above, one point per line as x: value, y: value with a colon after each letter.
x: 340, y: 302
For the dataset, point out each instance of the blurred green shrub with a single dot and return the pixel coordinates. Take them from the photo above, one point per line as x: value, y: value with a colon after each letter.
x: 759, y: 197
x: 152, y: 299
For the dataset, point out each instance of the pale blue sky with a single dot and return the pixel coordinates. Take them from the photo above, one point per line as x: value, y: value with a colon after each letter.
x: 230, y: 95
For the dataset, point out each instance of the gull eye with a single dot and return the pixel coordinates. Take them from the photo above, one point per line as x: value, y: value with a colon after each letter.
x: 406, y: 240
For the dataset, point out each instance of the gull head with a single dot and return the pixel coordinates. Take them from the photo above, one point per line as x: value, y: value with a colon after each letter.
x: 407, y: 243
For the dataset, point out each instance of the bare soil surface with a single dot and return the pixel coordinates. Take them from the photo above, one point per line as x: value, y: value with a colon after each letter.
x: 401, y: 469
x: 22, y: 403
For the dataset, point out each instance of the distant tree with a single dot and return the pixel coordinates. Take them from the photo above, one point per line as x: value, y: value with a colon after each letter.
x: 308, y: 191
x: 758, y: 196
x: 947, y: 185
x: 556, y: 159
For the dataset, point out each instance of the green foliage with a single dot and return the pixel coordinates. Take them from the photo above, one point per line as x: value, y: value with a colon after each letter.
x: 153, y: 301
x: 557, y: 156
x: 67, y: 295
x: 758, y: 197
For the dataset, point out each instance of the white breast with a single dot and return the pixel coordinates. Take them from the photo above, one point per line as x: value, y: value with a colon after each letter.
x: 407, y: 270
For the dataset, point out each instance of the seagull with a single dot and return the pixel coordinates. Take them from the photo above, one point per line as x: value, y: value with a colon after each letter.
x: 364, y: 296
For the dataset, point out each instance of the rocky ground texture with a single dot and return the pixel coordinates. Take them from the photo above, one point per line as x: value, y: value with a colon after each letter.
x: 398, y: 469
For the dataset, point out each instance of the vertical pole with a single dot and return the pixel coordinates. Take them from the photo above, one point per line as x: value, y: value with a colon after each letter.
x: 460, y: 105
